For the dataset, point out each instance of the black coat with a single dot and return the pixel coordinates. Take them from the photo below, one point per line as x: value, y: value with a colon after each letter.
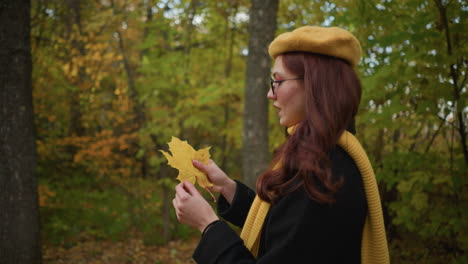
x: 296, y: 229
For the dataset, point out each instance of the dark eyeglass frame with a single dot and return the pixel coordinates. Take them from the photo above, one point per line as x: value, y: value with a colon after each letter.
x: 279, y: 82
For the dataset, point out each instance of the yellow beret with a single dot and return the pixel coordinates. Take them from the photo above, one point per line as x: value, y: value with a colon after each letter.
x: 331, y: 41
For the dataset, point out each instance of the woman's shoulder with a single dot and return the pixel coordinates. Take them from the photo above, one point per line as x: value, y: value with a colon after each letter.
x: 345, y: 170
x: 340, y: 158
x: 343, y: 166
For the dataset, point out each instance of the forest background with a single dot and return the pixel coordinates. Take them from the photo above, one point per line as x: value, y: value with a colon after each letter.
x: 113, y: 80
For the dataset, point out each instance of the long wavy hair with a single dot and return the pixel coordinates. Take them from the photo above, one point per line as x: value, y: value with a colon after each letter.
x: 332, y: 96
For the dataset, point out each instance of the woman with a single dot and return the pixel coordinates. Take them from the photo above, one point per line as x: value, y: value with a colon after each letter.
x: 311, y: 204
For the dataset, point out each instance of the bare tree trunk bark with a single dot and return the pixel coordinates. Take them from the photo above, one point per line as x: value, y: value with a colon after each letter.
x: 19, y: 217
x: 262, y: 27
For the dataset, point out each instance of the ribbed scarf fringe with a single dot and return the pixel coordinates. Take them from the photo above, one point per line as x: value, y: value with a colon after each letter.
x: 374, y: 247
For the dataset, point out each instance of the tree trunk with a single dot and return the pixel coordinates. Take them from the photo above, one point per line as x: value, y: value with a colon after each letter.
x: 262, y: 26
x: 129, y: 70
x: 459, y: 105
x: 189, y: 27
x: 164, y: 172
x: 19, y: 217
x: 229, y: 30
x: 138, y: 108
x: 76, y: 115
x: 167, y: 203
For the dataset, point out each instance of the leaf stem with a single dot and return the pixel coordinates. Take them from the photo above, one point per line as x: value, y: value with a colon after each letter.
x: 208, y: 190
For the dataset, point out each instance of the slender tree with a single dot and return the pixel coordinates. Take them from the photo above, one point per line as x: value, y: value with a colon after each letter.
x: 262, y: 27
x: 19, y: 217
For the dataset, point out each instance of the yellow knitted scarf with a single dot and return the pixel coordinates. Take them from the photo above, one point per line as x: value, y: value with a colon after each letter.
x: 374, y: 242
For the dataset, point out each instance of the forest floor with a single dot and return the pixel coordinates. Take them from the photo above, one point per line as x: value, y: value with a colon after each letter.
x: 132, y: 251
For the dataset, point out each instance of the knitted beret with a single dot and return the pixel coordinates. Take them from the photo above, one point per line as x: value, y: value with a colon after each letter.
x: 331, y: 41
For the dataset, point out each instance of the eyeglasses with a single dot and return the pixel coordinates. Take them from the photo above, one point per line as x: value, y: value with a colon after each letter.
x: 274, y: 83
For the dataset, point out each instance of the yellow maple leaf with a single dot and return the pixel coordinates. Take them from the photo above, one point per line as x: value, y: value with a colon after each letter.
x: 181, y: 159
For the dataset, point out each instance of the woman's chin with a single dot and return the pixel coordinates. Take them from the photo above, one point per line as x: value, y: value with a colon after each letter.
x: 289, y: 122
x: 284, y: 122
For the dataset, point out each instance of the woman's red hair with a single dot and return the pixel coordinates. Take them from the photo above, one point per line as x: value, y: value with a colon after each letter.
x: 332, y: 96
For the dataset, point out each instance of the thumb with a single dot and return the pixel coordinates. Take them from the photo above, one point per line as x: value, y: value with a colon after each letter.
x: 190, y: 188
x: 199, y: 165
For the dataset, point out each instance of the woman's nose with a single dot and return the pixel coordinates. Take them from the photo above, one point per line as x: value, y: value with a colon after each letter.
x: 270, y: 94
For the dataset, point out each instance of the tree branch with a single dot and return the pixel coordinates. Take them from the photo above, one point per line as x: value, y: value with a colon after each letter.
x: 436, y: 133
x: 454, y: 76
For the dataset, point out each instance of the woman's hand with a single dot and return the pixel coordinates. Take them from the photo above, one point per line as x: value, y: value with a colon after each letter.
x: 191, y: 208
x: 221, y: 182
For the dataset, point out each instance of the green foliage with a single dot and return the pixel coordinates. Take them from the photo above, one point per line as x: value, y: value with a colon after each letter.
x: 79, y: 207
x: 408, y: 122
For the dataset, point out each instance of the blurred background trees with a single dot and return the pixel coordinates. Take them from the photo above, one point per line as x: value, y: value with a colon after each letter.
x: 113, y: 80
